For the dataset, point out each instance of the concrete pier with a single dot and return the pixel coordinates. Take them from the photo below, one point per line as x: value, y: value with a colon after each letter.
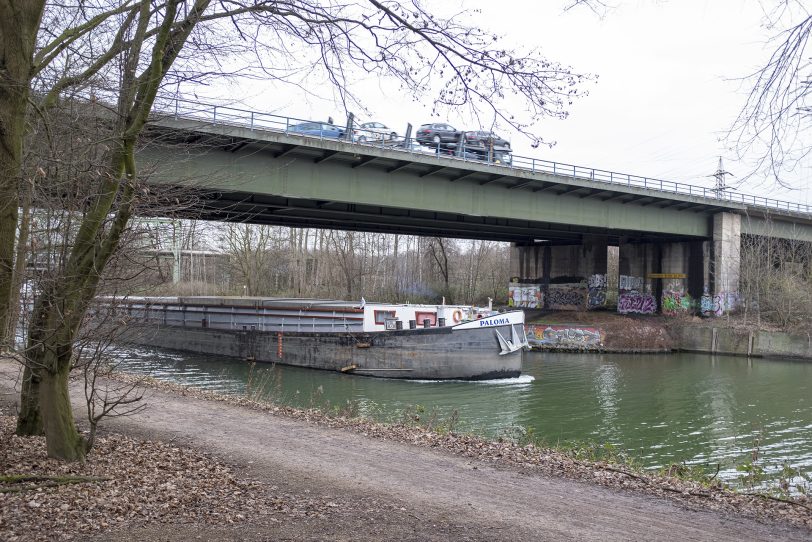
x: 671, y: 277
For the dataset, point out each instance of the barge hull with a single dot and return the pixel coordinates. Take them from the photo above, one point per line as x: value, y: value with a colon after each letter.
x: 424, y: 354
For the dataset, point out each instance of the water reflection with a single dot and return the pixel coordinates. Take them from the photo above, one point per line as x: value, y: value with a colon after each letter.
x: 663, y: 409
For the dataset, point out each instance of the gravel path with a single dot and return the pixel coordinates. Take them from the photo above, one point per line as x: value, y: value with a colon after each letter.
x: 380, y: 489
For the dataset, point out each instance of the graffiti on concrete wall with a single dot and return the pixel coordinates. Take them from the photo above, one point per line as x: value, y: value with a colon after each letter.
x: 717, y: 305
x: 711, y: 305
x: 676, y: 302
x: 636, y: 303
x: 628, y: 282
x: 596, y: 295
x: 597, y: 281
x: 568, y: 336
x: 566, y: 297
x: 528, y: 296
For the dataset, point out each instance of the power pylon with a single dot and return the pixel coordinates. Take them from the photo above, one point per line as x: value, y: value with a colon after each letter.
x: 721, y: 187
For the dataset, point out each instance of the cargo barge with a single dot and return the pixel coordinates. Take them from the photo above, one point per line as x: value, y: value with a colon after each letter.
x: 426, y: 342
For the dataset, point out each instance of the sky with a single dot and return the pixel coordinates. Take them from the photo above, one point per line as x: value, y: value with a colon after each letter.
x: 669, y: 87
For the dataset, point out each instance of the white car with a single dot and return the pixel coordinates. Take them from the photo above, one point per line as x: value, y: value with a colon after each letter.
x: 374, y: 131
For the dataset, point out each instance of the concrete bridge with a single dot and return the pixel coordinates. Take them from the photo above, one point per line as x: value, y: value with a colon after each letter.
x: 674, y: 239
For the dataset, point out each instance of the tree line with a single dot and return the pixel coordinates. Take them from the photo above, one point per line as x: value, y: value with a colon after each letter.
x: 262, y: 260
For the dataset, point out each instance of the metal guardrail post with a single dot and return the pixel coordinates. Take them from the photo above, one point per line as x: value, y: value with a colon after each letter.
x: 214, y: 115
x: 252, y: 120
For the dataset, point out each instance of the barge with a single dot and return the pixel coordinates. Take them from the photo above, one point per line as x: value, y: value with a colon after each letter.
x: 410, y: 341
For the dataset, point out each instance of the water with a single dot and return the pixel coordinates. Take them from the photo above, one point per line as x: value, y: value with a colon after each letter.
x: 661, y: 409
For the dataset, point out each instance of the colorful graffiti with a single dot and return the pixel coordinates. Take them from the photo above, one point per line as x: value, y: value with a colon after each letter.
x: 717, y: 305
x: 566, y: 297
x: 636, y: 303
x: 628, y: 282
x: 711, y: 305
x: 676, y: 302
x: 568, y: 336
x: 528, y: 296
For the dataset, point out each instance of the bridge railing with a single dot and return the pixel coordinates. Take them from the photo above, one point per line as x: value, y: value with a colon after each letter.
x: 231, y: 116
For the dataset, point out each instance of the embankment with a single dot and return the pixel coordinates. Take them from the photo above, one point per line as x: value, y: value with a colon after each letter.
x: 614, y: 333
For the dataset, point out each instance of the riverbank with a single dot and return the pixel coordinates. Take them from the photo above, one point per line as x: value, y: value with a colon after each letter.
x: 603, y: 331
x: 308, y: 476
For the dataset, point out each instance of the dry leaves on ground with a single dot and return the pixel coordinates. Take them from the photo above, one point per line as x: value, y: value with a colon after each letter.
x: 129, y: 481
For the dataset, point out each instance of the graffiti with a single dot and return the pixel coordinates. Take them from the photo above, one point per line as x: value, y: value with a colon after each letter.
x: 596, y: 297
x: 597, y: 281
x: 628, y: 282
x: 675, y: 302
x: 566, y: 297
x: 730, y: 300
x: 563, y: 335
x: 717, y: 305
x: 528, y: 296
x: 636, y: 303
x: 711, y: 305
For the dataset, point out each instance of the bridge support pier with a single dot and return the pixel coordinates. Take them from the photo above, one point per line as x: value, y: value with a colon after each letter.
x: 560, y: 277
x: 669, y: 277
x: 665, y: 277
x: 726, y: 262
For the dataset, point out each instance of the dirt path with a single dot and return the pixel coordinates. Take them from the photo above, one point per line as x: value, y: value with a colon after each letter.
x: 390, y: 490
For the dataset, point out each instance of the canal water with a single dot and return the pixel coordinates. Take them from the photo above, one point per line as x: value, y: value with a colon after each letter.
x: 661, y: 409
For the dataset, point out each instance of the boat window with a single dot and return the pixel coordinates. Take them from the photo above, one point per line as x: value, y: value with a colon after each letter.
x: 420, y: 316
x: 381, y: 316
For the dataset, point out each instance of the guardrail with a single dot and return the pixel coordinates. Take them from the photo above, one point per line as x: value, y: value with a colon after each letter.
x: 226, y: 115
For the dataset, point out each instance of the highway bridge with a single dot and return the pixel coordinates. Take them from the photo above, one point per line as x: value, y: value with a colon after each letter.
x: 251, y: 167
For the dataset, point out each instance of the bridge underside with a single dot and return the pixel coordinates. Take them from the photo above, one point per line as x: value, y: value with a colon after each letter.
x: 300, y: 212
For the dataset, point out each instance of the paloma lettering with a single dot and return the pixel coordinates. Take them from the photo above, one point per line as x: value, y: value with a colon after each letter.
x: 494, y: 322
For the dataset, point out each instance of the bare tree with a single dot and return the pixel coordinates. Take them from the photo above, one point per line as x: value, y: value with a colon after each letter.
x: 773, y: 124
x: 441, y: 250
x: 255, y: 256
x: 124, y: 53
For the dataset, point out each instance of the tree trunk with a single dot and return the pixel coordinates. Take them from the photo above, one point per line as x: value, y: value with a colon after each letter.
x: 19, y: 269
x: 63, y: 441
x: 29, y: 419
x: 19, y: 23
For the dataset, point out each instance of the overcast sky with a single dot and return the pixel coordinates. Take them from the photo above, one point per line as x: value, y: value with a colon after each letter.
x: 669, y: 86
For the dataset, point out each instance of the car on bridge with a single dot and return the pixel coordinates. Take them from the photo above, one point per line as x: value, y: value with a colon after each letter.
x: 317, y: 129
x: 373, y: 131
x: 484, y: 141
x: 438, y: 134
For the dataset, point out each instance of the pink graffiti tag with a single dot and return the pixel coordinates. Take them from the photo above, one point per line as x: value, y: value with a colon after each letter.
x: 637, y: 303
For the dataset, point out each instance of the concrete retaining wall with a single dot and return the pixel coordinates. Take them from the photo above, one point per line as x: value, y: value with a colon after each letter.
x: 716, y: 340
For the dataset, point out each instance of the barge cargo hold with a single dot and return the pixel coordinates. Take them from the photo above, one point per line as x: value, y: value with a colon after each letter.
x: 427, y: 342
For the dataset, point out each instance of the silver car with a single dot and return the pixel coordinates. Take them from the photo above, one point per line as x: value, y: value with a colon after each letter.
x: 373, y: 131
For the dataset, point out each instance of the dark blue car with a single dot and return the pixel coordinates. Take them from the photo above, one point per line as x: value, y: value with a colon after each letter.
x: 317, y: 129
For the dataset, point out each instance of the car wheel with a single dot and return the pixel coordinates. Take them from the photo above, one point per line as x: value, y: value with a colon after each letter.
x: 362, y: 139
x: 393, y: 135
